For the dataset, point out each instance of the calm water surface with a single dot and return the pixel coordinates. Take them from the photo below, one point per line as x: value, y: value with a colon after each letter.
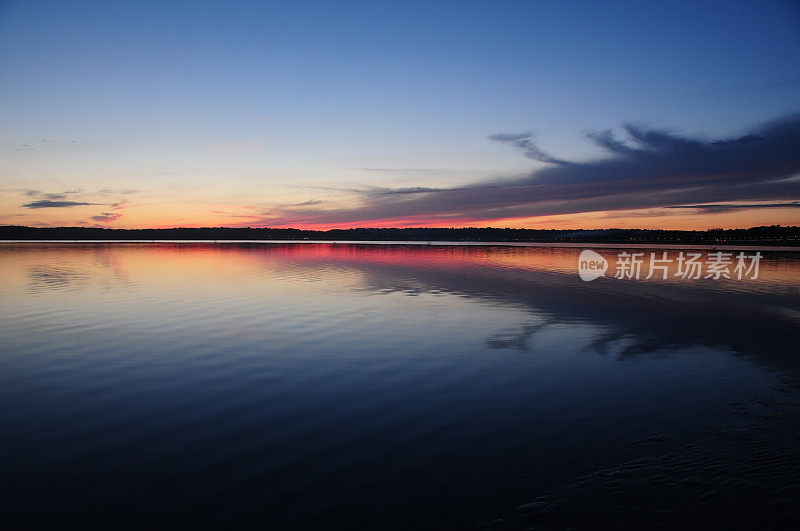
x: 354, y: 386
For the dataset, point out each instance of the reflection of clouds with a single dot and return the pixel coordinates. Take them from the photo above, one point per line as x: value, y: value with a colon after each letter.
x: 79, y: 268
x: 110, y: 260
x: 757, y: 319
x: 623, y: 345
x: 636, y: 318
x: 47, y: 278
x: 514, y: 339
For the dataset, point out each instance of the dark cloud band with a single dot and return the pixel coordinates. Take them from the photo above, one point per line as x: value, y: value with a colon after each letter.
x: 46, y: 203
x: 650, y: 168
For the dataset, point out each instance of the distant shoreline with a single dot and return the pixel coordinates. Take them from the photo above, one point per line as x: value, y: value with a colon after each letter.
x: 737, y: 246
x: 757, y: 237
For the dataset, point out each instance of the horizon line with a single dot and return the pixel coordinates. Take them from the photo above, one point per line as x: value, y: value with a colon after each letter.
x: 778, y: 225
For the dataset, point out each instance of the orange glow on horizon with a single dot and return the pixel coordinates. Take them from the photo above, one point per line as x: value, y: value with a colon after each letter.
x: 666, y: 219
x: 161, y: 215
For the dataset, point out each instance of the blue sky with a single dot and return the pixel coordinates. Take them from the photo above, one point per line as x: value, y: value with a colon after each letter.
x: 299, y: 113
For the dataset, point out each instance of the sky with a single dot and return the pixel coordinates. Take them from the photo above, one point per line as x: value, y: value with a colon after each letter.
x: 392, y: 114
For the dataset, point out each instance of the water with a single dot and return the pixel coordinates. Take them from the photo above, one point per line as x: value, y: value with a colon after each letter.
x: 363, y: 386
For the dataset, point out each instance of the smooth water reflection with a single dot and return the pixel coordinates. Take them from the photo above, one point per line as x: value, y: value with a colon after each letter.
x: 360, y: 386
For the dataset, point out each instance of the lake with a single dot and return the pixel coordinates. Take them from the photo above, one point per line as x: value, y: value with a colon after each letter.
x: 296, y: 385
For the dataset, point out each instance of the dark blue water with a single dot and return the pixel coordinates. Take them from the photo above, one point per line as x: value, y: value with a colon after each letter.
x: 355, y: 386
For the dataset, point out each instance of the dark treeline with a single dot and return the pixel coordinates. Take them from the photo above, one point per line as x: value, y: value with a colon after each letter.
x: 773, y: 234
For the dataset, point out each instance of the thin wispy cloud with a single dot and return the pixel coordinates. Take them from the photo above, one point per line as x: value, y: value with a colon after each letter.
x: 110, y: 191
x: 425, y: 171
x: 46, y: 203
x: 106, y: 217
x: 406, y: 191
x: 46, y: 144
x: 737, y: 206
x: 51, y: 196
x: 526, y: 143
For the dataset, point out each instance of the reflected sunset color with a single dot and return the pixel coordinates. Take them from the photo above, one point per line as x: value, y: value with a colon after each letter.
x: 345, y: 385
x: 318, y: 264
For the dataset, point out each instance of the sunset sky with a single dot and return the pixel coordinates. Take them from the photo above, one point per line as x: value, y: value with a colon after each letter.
x: 346, y: 114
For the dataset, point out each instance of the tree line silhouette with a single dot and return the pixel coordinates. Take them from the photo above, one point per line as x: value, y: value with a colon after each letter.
x: 776, y: 234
